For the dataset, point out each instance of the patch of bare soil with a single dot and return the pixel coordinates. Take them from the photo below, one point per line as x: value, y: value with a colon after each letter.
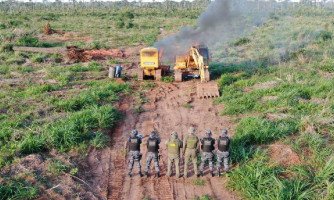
x: 170, y: 107
x: 64, y: 37
x: 265, y: 85
x: 283, y: 155
x: 269, y: 98
x: 276, y: 116
x: 35, y: 167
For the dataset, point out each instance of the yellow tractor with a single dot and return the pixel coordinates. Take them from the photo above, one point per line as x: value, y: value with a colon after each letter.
x: 150, y: 64
x: 196, y: 64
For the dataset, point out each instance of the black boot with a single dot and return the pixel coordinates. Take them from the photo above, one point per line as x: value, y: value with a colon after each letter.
x: 129, y: 174
x: 212, y: 174
x: 140, y: 174
x: 218, y: 174
x: 157, y: 175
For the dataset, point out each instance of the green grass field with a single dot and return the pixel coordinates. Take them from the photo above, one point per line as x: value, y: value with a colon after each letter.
x: 277, y: 84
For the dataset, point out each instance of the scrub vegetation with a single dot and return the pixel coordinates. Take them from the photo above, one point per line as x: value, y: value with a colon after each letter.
x: 277, y: 84
x: 54, y: 112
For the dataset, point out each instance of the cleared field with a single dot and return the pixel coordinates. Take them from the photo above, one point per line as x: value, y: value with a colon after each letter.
x: 63, y: 123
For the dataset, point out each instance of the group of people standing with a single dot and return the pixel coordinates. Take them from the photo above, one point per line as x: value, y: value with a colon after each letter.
x: 191, y: 147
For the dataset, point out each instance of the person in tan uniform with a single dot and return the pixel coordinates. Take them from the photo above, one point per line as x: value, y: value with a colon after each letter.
x: 174, y: 144
x: 190, y: 151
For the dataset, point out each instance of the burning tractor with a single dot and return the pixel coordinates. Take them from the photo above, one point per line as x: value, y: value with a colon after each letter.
x: 194, y: 64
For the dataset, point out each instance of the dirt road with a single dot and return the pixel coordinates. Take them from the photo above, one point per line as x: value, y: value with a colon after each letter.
x: 170, y: 106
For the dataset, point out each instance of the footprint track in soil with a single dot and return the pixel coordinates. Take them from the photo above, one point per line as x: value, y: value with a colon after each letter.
x: 165, y: 111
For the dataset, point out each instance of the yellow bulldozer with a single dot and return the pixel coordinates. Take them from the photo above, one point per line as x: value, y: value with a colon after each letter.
x: 196, y: 64
x: 150, y: 64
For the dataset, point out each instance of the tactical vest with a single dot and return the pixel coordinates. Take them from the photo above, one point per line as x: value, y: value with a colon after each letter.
x: 223, y: 144
x: 192, y: 142
x: 152, y: 145
x: 208, y: 145
x: 134, y: 144
x: 173, y: 147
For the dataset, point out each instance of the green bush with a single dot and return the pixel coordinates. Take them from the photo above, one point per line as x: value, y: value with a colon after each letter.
x: 31, y: 41
x: 93, y: 66
x: 226, y: 79
x: 50, y: 17
x: 242, y: 41
x: 17, y: 189
x: 6, y: 47
x: 15, y: 23
x: 120, y: 23
x: 2, y: 26
x: 78, y: 128
x: 28, y: 41
x: 100, y: 140
x: 325, y: 35
x: 40, y: 89
x: 252, y: 131
x: 256, y: 179
x: 4, y: 69
x: 326, y: 65
x: 38, y: 58
x: 128, y: 14
x: 238, y: 105
x: 129, y: 25
x: 167, y: 79
x: 94, y: 96
x: 57, y: 167
x: 32, y: 143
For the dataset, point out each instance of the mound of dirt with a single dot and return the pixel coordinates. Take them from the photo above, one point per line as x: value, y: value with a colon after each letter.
x: 82, y: 55
x: 49, y: 31
x: 283, y: 155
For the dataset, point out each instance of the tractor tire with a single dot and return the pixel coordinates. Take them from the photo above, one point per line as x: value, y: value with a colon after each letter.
x: 207, y: 75
x: 140, y: 75
x: 158, y: 74
x: 177, y: 76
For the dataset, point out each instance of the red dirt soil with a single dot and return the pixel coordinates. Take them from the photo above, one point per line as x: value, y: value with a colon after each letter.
x: 283, y: 155
x: 165, y: 111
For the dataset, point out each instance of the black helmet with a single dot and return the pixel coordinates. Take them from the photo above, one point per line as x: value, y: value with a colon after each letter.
x: 208, y: 133
x: 191, y: 130
x: 153, y: 134
x: 224, y: 132
x: 134, y: 133
x: 174, y: 135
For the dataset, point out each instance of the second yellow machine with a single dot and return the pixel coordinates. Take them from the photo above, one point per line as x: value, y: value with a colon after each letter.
x: 150, y: 64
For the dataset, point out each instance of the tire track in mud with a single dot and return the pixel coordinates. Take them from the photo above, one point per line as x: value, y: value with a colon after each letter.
x: 117, y: 163
x: 175, y: 107
x: 170, y: 107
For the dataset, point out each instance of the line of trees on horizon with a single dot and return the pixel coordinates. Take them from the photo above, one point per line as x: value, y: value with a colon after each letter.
x: 16, y: 5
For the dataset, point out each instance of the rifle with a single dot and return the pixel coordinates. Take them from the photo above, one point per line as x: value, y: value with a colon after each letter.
x: 126, y: 151
x: 160, y: 159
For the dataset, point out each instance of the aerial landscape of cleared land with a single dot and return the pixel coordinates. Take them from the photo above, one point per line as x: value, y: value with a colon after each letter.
x: 63, y: 121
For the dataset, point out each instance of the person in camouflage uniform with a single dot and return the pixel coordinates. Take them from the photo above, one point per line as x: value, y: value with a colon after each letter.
x: 153, y: 153
x: 174, y: 144
x: 223, y: 151
x: 133, y: 151
x: 190, y: 150
x: 207, y: 147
